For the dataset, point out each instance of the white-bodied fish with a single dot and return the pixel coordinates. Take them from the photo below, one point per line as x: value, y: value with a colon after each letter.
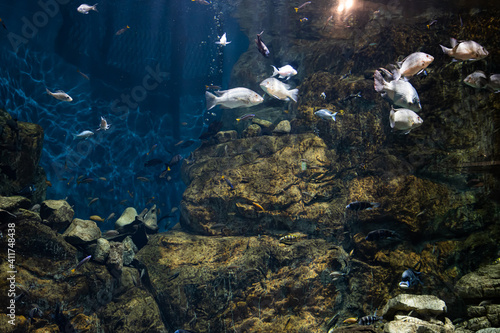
x: 325, y: 114
x: 494, y: 83
x: 85, y: 9
x: 284, y: 72
x: 404, y: 120
x: 223, y: 40
x: 465, y: 50
x: 400, y: 92
x: 104, y: 125
x: 83, y: 135
x: 233, y: 98
x: 279, y: 90
x: 476, y: 80
x: 413, y: 64
x: 60, y: 95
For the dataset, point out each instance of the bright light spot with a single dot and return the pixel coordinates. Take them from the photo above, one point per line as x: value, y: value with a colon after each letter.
x: 348, y: 4
x: 340, y: 8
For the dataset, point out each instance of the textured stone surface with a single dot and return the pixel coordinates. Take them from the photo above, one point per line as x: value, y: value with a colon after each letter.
x: 283, y: 127
x: 57, y: 214
x: 483, y: 283
x: 252, y: 131
x: 101, y: 251
x: 415, y: 325
x: 82, y: 232
x: 10, y: 204
x: 127, y: 217
x: 129, y: 250
x: 20, y: 151
x: 151, y: 220
x: 421, y: 304
x: 226, y: 136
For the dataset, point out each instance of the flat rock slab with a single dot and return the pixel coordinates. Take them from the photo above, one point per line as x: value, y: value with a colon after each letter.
x: 422, y: 304
x: 483, y: 283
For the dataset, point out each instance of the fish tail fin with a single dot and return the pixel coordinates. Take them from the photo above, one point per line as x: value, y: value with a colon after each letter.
x: 333, y: 116
x: 238, y: 120
x: 48, y: 91
x: 391, y: 117
x: 275, y: 71
x: 396, y: 73
x: 293, y: 94
x: 375, y: 204
x: 378, y: 81
x: 445, y: 49
x: 211, y: 100
x: 94, y: 7
x: 73, y: 270
x: 453, y: 42
x: 296, y: 9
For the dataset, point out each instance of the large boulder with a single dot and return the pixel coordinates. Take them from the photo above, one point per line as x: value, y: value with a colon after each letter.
x: 57, y: 214
x: 427, y: 305
x: 481, y: 284
x: 128, y: 217
x: 82, y: 232
x: 407, y: 324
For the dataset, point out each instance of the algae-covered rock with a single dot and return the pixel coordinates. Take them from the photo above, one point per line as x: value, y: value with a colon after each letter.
x: 129, y: 250
x: 11, y: 204
x: 101, y: 251
x: 82, y: 232
x: 481, y: 284
x: 420, y: 304
x: 283, y: 127
x: 407, y: 324
x: 226, y: 136
x: 57, y: 214
x: 252, y: 131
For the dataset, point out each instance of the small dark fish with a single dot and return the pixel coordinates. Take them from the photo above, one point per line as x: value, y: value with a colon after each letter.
x: 261, y: 46
x: 163, y: 174
x: 119, y: 32
x: 83, y: 261
x: 357, y: 95
x: 123, y: 202
x: 345, y: 75
x: 85, y: 181
x: 212, y: 87
x: 3, y: 24
x: 369, y: 320
x: 302, y: 6
x: 153, y: 162
x: 228, y: 182
x: 184, y: 331
x: 245, y: 117
x: 431, y: 23
x: 176, y: 159
x: 92, y: 201
x: 184, y: 144
x: 173, y: 276
x: 85, y: 76
x: 362, y: 205
x: 381, y: 234
x: 152, y: 149
x: 35, y: 311
x: 110, y: 233
x: 410, y: 278
x: 143, y: 179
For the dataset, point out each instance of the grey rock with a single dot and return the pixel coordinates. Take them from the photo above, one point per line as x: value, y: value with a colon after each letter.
x: 481, y: 284
x: 57, y: 214
x: 478, y: 323
x: 127, y: 217
x: 102, y: 249
x: 35, y: 208
x: 115, y: 258
x: 493, y: 314
x: 476, y: 311
x: 225, y: 136
x: 82, y: 232
x: 283, y: 127
x: 11, y: 204
x: 262, y: 122
x: 407, y: 324
x: 252, y: 131
x: 151, y: 220
x: 129, y: 250
x: 421, y: 304
x: 489, y: 330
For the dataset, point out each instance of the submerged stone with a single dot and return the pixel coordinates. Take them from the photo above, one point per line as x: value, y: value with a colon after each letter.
x: 57, y: 214
x: 82, y: 232
x: 127, y: 217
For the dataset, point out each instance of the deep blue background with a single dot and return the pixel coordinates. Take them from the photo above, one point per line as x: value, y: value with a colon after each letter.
x: 47, y: 47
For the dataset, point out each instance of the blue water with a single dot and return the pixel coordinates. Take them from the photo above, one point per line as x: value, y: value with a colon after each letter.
x: 148, y: 83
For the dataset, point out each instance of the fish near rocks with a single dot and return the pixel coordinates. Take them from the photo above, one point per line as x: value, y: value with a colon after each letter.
x: 413, y: 64
x: 465, y: 50
x: 362, y: 205
x: 401, y: 92
x: 261, y: 46
x: 476, y: 80
x: 279, y: 90
x: 494, y: 83
x: 410, y: 278
x: 325, y: 114
x: 233, y: 98
x: 284, y: 72
x: 404, y: 120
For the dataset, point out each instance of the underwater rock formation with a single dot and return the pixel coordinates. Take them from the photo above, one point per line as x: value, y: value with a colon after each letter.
x: 57, y: 214
x: 20, y: 151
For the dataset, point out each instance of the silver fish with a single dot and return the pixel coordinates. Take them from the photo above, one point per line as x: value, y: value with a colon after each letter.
x: 494, y: 83
x: 325, y: 114
x: 85, y: 9
x: 104, y: 125
x: 404, y: 120
x: 400, y: 92
x: 233, y: 98
x: 279, y: 90
x: 60, y: 95
x: 414, y: 64
x: 476, y: 80
x: 83, y: 135
x: 465, y: 50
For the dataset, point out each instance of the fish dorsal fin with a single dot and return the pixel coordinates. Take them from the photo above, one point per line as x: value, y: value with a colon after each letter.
x: 60, y: 91
x: 220, y: 92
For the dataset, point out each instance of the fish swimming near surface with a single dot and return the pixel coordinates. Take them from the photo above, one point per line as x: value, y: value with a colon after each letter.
x: 261, y: 46
x: 465, y: 50
x: 233, y: 98
x: 401, y: 92
x: 152, y: 162
x: 279, y: 90
x: 404, y: 120
x: 83, y: 261
x: 104, y: 126
x: 326, y: 114
x: 477, y: 80
x: 362, y: 205
x: 85, y: 9
x: 413, y: 64
x: 410, y: 278
x: 223, y: 40
x: 284, y: 72
x: 381, y: 234
x: 122, y: 30
x: 60, y: 95
x: 369, y: 320
x: 83, y: 135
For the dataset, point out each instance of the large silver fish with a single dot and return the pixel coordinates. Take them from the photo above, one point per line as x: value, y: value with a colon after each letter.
x: 404, y: 120
x: 476, y: 80
x: 233, y: 98
x: 400, y: 92
x: 279, y: 90
x: 465, y: 50
x: 413, y: 64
